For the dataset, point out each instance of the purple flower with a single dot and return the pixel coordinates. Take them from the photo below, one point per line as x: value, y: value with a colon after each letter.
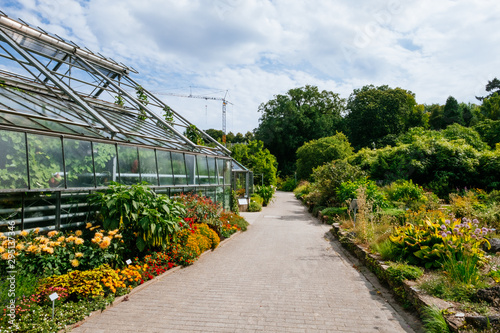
x: 467, y: 226
x: 464, y: 219
x: 485, y: 230
x: 448, y: 232
x: 475, y: 221
x: 454, y: 220
x: 455, y: 230
x: 447, y: 221
x: 443, y: 227
x: 473, y: 236
x: 477, y: 231
x: 460, y: 234
x: 444, y: 235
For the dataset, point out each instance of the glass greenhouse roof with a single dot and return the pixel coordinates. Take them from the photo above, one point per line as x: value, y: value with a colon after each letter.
x: 54, y: 86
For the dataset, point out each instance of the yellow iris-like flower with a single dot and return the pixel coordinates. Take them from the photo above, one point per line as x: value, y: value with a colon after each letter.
x: 24, y: 233
x: 113, y: 232
x: 75, y: 263
x: 78, y: 254
x: 89, y: 225
x: 78, y: 233
x: 79, y: 241
x: 52, y: 233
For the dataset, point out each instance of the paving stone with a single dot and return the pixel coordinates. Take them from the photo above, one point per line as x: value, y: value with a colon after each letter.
x: 279, y: 276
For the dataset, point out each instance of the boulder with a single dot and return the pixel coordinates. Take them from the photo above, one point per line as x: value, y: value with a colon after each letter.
x: 490, y: 295
x: 495, y: 245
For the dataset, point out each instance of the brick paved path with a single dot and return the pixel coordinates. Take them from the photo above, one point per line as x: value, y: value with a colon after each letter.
x: 279, y: 276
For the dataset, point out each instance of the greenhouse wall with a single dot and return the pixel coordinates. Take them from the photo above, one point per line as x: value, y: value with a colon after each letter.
x: 45, y: 179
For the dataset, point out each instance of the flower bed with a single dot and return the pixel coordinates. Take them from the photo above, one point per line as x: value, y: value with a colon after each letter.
x: 87, y: 268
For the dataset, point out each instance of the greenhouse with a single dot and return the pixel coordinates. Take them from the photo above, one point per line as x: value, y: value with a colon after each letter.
x: 73, y: 121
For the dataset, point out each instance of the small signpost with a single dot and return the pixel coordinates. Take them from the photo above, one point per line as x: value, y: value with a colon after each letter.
x: 53, y: 298
x: 128, y: 261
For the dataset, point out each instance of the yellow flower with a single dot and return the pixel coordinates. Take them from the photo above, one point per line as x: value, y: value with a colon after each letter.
x: 48, y: 249
x: 5, y: 243
x: 24, y: 233
x: 78, y: 233
x: 113, y: 232
x: 89, y: 225
x: 70, y: 239
x: 78, y: 254
x: 2, y: 250
x: 61, y: 239
x: 75, y: 263
x: 37, y: 230
x: 52, y: 233
x: 118, y: 236
x: 105, y: 242
x: 79, y: 241
x: 96, y: 240
x: 18, y: 247
x: 98, y: 235
x: 6, y: 256
x: 32, y: 248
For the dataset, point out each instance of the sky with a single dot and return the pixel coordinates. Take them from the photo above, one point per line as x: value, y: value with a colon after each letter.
x: 253, y: 50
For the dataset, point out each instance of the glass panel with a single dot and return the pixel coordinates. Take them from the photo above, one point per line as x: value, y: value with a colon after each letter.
x: 10, y: 210
x: 148, y: 166
x: 191, y: 169
x: 227, y: 172
x: 202, y: 169
x: 220, y: 171
x: 219, y: 195
x: 165, y: 167
x: 210, y: 193
x: 212, y: 169
x: 40, y: 210
x: 105, y: 163
x: 45, y: 161
x: 128, y: 164
x: 74, y: 208
x: 179, y: 169
x: 227, y: 198
x: 13, y: 168
x: 79, y: 166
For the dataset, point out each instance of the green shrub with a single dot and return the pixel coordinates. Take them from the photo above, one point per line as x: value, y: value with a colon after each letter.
x: 400, y: 272
x: 347, y: 190
x: 137, y: 210
x: 329, y: 177
x: 257, y: 198
x: 302, y: 189
x: 266, y: 193
x: 254, y: 207
x: 334, y: 211
x: 386, y: 249
x: 288, y: 184
x: 405, y: 191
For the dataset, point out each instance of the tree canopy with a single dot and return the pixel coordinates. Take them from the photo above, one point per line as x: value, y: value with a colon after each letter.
x: 303, y: 114
x: 375, y: 112
x: 257, y: 158
x: 318, y: 152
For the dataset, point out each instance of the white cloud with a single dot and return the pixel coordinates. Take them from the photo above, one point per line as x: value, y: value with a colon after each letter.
x: 260, y: 48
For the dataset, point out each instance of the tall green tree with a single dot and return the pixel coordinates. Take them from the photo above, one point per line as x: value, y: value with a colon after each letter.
x: 257, y: 158
x: 491, y: 107
x: 375, y: 112
x: 451, y: 112
x: 436, y: 116
x: 303, y: 114
x: 318, y: 152
x: 492, y: 87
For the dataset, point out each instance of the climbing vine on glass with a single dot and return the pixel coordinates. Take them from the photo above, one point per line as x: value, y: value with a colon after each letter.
x: 143, y: 99
x: 168, y: 114
x: 193, y: 135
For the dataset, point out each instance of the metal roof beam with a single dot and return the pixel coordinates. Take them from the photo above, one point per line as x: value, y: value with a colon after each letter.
x: 39, y: 66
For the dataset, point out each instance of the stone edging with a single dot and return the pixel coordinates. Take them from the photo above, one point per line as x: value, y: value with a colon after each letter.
x: 124, y: 298
x: 405, y: 291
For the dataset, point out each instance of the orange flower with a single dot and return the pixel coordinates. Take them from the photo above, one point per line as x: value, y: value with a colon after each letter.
x: 89, y: 225
x: 24, y: 233
x: 78, y: 233
x: 75, y: 263
x: 52, y: 233
x: 6, y: 256
x: 78, y: 254
x: 79, y: 241
x: 105, y: 242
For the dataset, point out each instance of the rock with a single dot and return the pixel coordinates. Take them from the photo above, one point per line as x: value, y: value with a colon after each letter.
x: 490, y: 295
x: 483, y: 322
x: 495, y: 245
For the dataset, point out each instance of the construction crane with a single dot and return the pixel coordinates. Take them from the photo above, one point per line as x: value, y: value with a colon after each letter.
x: 224, y: 103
